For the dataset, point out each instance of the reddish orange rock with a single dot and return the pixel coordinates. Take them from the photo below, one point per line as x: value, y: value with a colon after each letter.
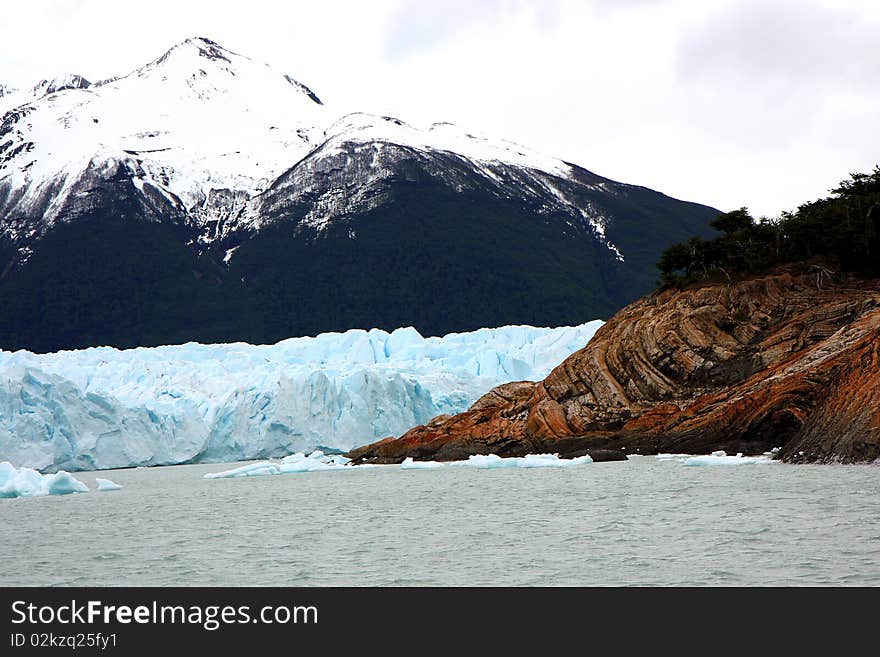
x: 771, y: 361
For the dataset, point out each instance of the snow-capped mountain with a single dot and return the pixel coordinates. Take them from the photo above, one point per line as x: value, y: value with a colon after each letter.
x: 202, y: 124
x: 197, y: 119
x: 343, y: 174
x: 239, y: 168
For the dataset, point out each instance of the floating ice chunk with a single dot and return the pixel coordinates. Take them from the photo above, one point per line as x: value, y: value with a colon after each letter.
x: 22, y: 482
x: 493, y: 461
x: 308, y: 465
x: 721, y: 458
x: 7, y: 472
x: 410, y: 464
x: 63, y: 483
x: 669, y: 457
x: 106, y: 484
x: 552, y: 461
x: 250, y: 470
x: 25, y: 482
x: 486, y: 461
x: 317, y: 461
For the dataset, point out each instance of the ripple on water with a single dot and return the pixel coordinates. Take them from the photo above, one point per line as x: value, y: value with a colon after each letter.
x: 642, y: 521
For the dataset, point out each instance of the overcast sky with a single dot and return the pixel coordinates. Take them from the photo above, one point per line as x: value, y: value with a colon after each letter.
x: 727, y: 102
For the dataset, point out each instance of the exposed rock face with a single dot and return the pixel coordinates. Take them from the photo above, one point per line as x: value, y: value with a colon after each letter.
x: 767, y: 362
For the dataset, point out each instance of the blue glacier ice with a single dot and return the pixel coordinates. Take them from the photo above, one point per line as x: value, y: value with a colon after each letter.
x: 316, y: 461
x: 104, y: 408
x: 106, y: 484
x: 27, y: 482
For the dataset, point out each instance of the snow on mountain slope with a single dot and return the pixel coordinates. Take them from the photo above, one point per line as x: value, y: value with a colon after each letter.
x: 366, y: 128
x: 11, y: 97
x: 104, y: 408
x: 198, y: 118
x: 203, y: 131
x: 59, y: 83
x: 362, y: 154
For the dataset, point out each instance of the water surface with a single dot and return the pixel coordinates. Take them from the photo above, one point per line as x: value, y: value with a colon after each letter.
x: 640, y: 522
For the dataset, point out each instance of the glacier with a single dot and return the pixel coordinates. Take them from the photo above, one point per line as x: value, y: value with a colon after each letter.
x: 103, y: 408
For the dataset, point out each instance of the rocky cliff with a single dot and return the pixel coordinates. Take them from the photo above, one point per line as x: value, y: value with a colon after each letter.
x: 783, y: 360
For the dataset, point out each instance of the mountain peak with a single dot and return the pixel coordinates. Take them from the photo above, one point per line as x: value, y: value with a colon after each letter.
x: 200, y: 46
x: 60, y: 83
x: 191, y: 53
x: 208, y: 48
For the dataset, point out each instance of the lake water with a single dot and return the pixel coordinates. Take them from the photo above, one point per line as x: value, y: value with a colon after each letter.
x: 640, y: 522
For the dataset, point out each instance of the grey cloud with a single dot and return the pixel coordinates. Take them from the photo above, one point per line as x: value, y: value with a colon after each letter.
x: 421, y: 25
x: 784, y: 42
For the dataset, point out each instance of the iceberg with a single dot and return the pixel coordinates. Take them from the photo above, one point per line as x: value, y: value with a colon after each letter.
x: 722, y: 458
x: 409, y: 464
x: 251, y: 470
x: 27, y: 482
x: 103, y: 408
x: 106, y: 484
x: 317, y: 461
x: 491, y: 461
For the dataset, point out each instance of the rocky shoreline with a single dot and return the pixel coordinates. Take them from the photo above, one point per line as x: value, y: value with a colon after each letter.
x: 780, y: 360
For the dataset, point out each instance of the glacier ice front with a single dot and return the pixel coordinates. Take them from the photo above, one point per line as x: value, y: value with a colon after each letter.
x: 104, y: 408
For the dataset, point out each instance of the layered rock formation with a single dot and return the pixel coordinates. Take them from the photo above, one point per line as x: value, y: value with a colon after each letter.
x: 782, y: 360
